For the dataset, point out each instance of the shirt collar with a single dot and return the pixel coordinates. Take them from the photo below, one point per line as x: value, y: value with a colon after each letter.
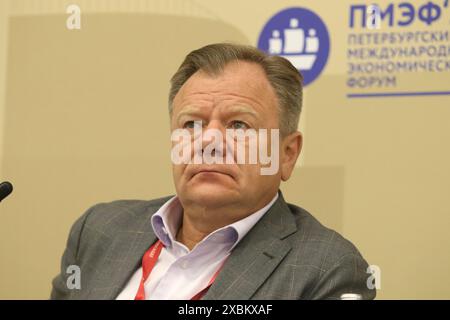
x: 243, y: 226
x: 167, y: 220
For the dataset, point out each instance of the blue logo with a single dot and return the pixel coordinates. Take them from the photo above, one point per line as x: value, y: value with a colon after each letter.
x: 300, y: 36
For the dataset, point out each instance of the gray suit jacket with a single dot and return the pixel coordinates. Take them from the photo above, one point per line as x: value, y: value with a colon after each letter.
x: 288, y: 254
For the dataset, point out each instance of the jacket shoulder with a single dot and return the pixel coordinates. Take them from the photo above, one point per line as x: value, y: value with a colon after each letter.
x: 334, y: 263
x: 313, y: 232
x: 121, y: 214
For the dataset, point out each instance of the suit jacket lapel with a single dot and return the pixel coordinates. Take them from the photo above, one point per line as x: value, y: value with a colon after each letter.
x: 256, y: 256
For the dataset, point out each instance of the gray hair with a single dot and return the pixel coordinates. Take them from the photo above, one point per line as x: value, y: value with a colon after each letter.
x: 282, y: 75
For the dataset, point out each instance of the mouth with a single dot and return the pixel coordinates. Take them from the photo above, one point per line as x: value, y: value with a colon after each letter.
x: 212, y: 171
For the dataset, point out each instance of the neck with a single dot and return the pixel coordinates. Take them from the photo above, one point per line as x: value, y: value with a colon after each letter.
x: 199, y: 221
x: 193, y: 230
x: 189, y: 237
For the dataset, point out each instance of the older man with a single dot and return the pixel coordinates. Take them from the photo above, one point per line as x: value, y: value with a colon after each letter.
x: 228, y: 233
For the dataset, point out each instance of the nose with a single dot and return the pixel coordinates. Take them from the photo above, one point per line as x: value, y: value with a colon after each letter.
x: 215, y: 124
x: 213, y: 141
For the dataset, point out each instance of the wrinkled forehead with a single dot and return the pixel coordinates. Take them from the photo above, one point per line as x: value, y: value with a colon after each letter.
x: 241, y: 80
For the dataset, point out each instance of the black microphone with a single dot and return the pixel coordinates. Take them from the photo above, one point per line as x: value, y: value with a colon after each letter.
x: 5, y: 189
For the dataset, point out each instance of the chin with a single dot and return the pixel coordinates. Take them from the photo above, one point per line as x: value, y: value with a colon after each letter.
x: 212, y: 195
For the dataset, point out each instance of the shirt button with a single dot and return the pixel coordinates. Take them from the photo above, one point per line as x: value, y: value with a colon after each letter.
x: 184, y: 264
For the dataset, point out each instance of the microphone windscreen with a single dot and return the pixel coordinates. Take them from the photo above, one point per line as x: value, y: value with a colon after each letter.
x: 5, y: 189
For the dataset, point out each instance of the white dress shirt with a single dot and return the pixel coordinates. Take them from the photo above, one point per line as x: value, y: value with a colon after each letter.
x: 180, y: 273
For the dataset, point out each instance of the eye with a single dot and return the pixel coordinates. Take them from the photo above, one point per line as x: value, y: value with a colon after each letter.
x: 237, y: 124
x: 192, y: 124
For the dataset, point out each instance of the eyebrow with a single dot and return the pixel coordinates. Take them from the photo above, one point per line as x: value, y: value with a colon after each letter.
x: 239, y: 108
x: 188, y: 110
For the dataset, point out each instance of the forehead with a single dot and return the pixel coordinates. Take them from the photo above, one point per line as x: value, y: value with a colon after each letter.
x: 240, y: 81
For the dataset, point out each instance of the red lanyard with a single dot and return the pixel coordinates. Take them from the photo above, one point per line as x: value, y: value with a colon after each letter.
x: 148, y: 263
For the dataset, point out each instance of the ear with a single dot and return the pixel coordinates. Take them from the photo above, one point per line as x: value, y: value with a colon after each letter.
x: 291, y: 146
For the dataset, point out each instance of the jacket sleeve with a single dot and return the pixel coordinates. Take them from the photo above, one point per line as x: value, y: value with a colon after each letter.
x: 60, y: 290
x: 347, y: 275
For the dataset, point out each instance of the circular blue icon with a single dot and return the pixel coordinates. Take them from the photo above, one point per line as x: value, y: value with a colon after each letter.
x: 299, y: 35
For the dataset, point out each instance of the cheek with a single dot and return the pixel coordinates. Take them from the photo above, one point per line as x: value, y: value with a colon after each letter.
x: 177, y: 171
x: 250, y: 173
x: 251, y: 177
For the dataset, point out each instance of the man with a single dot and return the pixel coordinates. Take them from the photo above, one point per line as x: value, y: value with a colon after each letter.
x: 228, y: 233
